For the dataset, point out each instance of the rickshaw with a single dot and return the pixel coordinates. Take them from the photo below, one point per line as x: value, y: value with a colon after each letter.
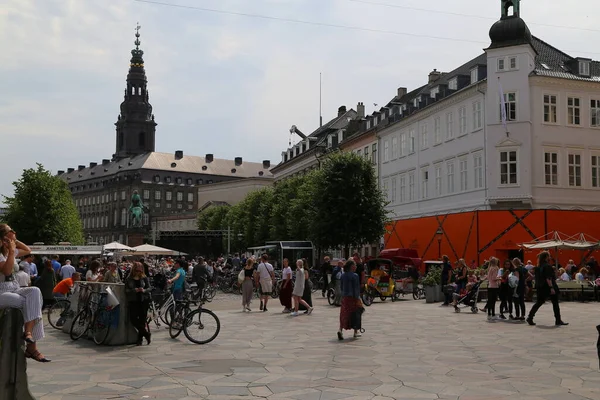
x: 381, y: 281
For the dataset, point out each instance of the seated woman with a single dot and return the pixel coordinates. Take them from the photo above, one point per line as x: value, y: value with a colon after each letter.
x: 27, y: 299
x: 581, y: 275
x: 563, y: 276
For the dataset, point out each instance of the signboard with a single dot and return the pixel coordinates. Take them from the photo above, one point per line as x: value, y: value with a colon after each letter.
x: 66, y: 250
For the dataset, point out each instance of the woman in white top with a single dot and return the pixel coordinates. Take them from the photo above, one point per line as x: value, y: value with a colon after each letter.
x: 563, y: 275
x: 285, y: 294
x: 27, y: 299
x: 93, y: 274
x: 580, y: 276
x: 299, y: 289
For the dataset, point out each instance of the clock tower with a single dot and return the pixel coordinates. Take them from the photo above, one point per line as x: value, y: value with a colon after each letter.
x: 135, y: 126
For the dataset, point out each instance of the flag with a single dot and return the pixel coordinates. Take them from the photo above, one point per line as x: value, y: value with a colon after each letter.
x: 502, y: 104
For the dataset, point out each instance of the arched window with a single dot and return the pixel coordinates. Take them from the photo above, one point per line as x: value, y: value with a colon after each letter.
x: 124, y: 217
x: 115, y: 219
x: 139, y: 90
x: 133, y: 90
x: 142, y: 139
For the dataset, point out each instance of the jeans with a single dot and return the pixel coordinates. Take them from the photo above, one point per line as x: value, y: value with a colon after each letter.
x: 506, y: 301
x: 491, y: 302
x: 178, y: 294
x: 138, y: 313
x: 325, y: 283
x: 542, y: 297
x: 520, y: 302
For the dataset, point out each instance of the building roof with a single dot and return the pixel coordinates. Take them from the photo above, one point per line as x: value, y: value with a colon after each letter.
x: 169, y: 162
x: 555, y: 63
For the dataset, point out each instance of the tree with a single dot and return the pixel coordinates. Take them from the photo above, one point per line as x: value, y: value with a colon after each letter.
x: 42, y: 209
x: 348, y: 208
x: 213, y: 218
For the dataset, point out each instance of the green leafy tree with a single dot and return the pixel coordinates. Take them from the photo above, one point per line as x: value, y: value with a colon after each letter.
x: 287, y: 208
x: 348, y: 208
x: 42, y: 209
x: 213, y: 218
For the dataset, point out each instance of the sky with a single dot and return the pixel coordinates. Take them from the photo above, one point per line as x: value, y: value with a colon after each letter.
x: 226, y: 81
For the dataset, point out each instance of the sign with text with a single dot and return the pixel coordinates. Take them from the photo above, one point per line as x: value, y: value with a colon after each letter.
x: 66, y: 250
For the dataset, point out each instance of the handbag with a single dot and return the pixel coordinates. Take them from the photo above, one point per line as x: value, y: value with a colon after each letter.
x: 111, y: 299
x: 241, y: 276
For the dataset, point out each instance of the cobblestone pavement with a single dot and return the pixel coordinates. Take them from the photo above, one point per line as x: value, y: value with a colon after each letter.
x: 410, y: 350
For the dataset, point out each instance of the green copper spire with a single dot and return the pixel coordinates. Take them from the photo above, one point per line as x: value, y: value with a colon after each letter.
x: 507, y: 4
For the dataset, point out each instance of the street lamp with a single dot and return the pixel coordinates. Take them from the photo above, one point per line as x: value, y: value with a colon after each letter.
x: 439, y: 234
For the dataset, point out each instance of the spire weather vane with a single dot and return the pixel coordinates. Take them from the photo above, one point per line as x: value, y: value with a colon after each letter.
x: 137, y: 36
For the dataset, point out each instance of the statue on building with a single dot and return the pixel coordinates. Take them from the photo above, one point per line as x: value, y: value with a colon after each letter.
x: 136, y: 210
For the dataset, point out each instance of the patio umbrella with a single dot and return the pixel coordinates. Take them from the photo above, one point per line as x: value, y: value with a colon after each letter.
x: 116, y: 246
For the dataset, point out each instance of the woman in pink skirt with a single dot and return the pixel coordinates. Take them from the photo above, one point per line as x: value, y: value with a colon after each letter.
x: 350, y: 298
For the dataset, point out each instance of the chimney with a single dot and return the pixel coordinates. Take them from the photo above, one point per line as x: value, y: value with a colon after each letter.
x: 401, y: 92
x: 434, y: 75
x: 341, y: 111
x: 266, y: 164
x: 69, y: 170
x: 238, y: 161
x: 209, y: 158
x: 178, y: 154
x: 79, y: 168
x: 93, y: 164
x: 60, y: 172
x: 105, y: 161
x: 360, y: 109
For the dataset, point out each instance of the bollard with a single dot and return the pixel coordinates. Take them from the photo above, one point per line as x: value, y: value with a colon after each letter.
x: 13, y: 379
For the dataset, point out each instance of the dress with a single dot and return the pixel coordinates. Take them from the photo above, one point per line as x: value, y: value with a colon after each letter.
x: 285, y: 294
x: 28, y: 300
x: 299, y: 284
x: 350, y: 300
x: 247, y: 286
x: 46, y: 283
x: 307, y: 293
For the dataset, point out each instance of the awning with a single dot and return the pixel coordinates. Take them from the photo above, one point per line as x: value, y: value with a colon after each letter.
x: 148, y: 249
x: 557, y: 240
x: 116, y: 246
x: 66, y: 250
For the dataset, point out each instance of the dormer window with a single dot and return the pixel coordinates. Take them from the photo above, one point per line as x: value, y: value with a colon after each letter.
x: 453, y: 84
x: 416, y: 102
x: 474, y: 76
x: 584, y: 67
x: 404, y: 107
x: 368, y: 124
x: 434, y: 92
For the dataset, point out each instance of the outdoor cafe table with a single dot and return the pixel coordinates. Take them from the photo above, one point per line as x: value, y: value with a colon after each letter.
x: 121, y: 331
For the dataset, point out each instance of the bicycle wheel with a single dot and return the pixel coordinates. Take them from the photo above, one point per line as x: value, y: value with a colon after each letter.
x: 101, y: 325
x: 80, y: 325
x: 177, y: 322
x: 210, y: 292
x: 201, y: 326
x: 168, y: 315
x: 58, y: 313
x: 330, y: 296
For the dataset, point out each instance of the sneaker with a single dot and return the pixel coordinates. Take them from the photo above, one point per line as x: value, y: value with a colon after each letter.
x: 261, y: 305
x: 489, y: 317
x: 340, y: 335
x: 561, y: 323
x: 265, y: 309
x: 530, y: 321
x: 243, y: 309
x: 357, y: 335
x: 286, y: 311
x: 510, y: 316
x: 248, y: 309
x: 310, y: 310
x: 502, y: 316
x: 294, y: 314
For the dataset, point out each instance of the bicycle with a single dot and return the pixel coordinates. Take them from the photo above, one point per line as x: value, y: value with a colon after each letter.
x: 418, y: 292
x: 162, y: 311
x: 96, y: 316
x: 200, y: 321
x: 182, y: 308
x: 59, y: 311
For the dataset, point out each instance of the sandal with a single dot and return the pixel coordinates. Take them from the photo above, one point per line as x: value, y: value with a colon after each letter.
x: 37, y: 356
x: 28, y: 338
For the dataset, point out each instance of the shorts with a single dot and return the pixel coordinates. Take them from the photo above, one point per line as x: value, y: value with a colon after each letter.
x: 266, y: 287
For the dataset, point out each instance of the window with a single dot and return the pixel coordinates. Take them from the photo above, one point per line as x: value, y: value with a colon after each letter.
x: 550, y: 108
x: 146, y: 194
x: 386, y: 150
x: 157, y: 195
x: 156, y: 178
x: 123, y: 195
x: 595, y: 113
x: 575, y: 170
x: 145, y: 219
x: 190, y: 197
x: 462, y: 120
x: 115, y: 217
x: 474, y: 75
x: 437, y: 134
x: 179, y: 196
x: 394, y: 147
x: 374, y: 153
x: 450, y: 176
x: 462, y: 166
x: 402, y: 144
x: 573, y: 111
x: 123, y: 217
x: 157, y: 205
x: 169, y: 205
x: 513, y: 62
x: 477, y: 120
x: 510, y: 106
x: 508, y: 167
x: 424, y: 138
x: 478, y: 171
x: 449, y: 125
x: 501, y: 64
x: 115, y: 196
x: 366, y: 153
x: 411, y: 186
x: 93, y: 200
x: 168, y: 195
x: 434, y: 92
x: 596, y: 171
x: 438, y: 180
x: 386, y: 193
x: 178, y: 180
x: 453, y: 84
x: 411, y: 141
x: 393, y: 190
x: 402, y: 189
x: 584, y: 68
x: 424, y: 183
x: 368, y: 124
x: 359, y: 152
x: 551, y: 168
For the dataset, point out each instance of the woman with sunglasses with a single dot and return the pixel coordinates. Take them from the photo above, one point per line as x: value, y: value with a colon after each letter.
x: 27, y: 299
x: 137, y: 290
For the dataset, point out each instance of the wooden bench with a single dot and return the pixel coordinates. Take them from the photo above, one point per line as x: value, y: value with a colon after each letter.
x: 13, y: 379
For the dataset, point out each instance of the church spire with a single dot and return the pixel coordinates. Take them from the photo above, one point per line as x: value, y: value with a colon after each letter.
x: 135, y: 124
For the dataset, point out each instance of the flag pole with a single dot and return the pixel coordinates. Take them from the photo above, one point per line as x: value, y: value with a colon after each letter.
x: 503, y: 107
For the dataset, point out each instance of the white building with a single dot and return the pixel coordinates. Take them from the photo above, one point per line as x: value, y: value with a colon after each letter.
x: 446, y: 149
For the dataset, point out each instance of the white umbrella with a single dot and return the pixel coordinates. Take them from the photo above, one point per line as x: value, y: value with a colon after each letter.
x: 153, y: 250
x: 116, y: 246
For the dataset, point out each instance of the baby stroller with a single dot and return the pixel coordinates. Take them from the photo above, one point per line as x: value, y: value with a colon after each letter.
x: 469, y: 299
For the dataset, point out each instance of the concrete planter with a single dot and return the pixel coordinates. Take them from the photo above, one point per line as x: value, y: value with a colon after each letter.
x: 430, y: 293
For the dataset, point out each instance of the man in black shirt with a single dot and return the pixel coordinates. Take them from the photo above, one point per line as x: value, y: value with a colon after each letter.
x: 446, y: 279
x: 200, y: 276
x: 325, y: 270
x: 545, y: 285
